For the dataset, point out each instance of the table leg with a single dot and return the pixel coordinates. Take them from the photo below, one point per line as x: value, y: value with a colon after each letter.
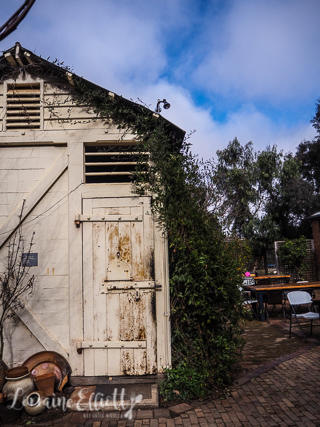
x: 261, y: 307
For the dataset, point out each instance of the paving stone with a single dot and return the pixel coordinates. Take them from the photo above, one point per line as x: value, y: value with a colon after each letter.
x: 199, y: 412
x: 242, y: 417
x: 161, y: 413
x: 124, y: 414
x: 179, y: 409
x: 209, y: 418
x: 225, y: 417
x: 283, y: 394
x: 216, y: 414
x: 186, y: 422
x: 143, y: 414
x: 193, y: 418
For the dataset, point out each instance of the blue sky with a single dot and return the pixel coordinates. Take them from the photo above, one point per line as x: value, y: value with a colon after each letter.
x: 229, y: 68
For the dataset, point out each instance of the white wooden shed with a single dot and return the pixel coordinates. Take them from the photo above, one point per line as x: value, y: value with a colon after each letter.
x: 101, y: 297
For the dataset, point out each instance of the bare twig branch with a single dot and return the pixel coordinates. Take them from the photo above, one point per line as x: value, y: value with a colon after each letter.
x: 15, y: 19
x: 15, y: 280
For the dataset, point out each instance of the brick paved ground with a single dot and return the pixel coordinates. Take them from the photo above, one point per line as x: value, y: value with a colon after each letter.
x: 282, y: 392
x: 288, y: 394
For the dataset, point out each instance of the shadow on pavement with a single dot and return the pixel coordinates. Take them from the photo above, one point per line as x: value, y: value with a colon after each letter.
x: 268, y: 342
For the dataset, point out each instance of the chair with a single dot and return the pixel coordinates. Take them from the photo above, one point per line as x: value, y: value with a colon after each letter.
x: 285, y: 299
x: 249, y: 301
x: 285, y: 296
x: 273, y: 298
x: 309, y: 290
x: 301, y: 300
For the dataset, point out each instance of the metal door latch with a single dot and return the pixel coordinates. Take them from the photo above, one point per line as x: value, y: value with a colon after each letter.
x: 137, y: 295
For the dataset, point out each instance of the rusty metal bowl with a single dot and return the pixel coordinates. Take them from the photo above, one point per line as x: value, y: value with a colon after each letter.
x: 17, y: 372
x: 45, y: 362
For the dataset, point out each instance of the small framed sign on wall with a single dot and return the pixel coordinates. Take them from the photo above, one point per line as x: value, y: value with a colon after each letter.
x: 30, y: 260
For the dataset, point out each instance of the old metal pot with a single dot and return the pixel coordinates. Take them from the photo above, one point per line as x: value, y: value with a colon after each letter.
x: 18, y: 387
x: 35, y: 403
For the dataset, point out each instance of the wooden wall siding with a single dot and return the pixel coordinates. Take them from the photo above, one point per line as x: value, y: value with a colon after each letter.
x: 69, y: 310
x: 49, y: 303
x: 161, y: 267
x: 2, y: 111
x: 61, y: 112
x: 21, y: 168
x: 20, y: 343
x: 120, y: 316
x: 58, y: 110
x: 63, y: 123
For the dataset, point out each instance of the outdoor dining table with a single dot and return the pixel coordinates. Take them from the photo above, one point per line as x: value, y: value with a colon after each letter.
x: 261, y: 290
x: 273, y: 279
x: 255, y: 280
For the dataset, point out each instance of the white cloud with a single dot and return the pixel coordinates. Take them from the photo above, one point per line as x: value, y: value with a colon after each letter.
x: 105, y: 43
x: 269, y: 48
x: 248, y: 50
x: 247, y: 123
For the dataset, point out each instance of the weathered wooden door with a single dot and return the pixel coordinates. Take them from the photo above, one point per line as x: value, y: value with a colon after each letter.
x: 118, y: 287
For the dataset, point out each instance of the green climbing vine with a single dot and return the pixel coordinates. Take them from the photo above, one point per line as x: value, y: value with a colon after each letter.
x: 205, y: 269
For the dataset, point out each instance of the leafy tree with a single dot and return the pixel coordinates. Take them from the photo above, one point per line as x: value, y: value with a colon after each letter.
x: 261, y: 234
x: 293, y: 200
x: 231, y: 185
x: 260, y: 196
x: 293, y: 253
x: 262, y: 229
x: 308, y: 153
x: 316, y: 118
x: 241, y: 186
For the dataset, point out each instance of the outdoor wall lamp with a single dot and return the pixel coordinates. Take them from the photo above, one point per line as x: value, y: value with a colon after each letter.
x: 166, y: 105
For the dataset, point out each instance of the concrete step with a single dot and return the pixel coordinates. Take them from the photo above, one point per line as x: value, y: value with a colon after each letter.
x: 114, y: 397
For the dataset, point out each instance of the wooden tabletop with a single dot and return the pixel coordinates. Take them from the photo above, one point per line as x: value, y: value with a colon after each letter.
x: 271, y: 277
x: 283, y: 286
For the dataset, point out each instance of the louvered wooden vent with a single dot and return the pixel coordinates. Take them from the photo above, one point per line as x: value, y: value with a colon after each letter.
x: 113, y: 164
x: 23, y: 106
